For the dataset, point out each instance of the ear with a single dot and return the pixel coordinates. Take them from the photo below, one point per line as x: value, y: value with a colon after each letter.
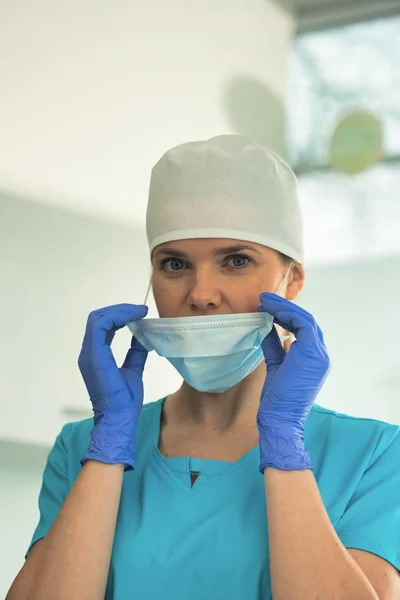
x: 296, y: 281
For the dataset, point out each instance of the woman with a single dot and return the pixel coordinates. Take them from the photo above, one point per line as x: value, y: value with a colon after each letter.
x: 237, y: 485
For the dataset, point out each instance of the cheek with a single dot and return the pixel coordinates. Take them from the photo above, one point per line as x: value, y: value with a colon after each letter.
x: 166, y: 301
x: 248, y: 299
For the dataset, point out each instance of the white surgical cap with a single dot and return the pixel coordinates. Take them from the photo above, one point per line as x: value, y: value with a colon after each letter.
x: 225, y: 187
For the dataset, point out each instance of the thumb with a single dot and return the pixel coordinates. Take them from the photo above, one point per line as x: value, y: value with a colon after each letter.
x: 136, y: 357
x: 274, y: 353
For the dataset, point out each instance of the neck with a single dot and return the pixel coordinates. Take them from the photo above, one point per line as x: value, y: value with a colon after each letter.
x: 219, y: 413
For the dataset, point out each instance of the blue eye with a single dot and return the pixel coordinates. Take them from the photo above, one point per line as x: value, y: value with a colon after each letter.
x: 240, y: 261
x: 235, y: 262
x: 175, y: 264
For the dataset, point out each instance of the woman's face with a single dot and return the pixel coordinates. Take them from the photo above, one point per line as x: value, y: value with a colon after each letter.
x: 217, y: 276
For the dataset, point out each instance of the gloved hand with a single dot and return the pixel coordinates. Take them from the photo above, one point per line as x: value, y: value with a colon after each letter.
x: 291, y: 386
x: 115, y: 393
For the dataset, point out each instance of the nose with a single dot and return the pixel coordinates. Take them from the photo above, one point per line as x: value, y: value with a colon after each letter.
x: 204, y: 293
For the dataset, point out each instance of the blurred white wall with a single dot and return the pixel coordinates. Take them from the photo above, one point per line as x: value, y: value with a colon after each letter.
x: 355, y: 304
x: 92, y: 94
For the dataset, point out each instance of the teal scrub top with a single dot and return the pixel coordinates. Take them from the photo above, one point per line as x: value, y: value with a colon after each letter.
x: 175, y: 541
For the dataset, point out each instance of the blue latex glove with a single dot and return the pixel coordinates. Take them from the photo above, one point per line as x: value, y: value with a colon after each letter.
x: 115, y: 393
x: 291, y: 386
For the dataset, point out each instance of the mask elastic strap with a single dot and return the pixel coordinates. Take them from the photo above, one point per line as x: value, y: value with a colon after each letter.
x: 148, y: 289
x: 285, y: 279
x: 282, y: 337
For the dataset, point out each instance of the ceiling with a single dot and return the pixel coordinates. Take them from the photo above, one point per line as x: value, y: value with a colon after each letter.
x: 320, y: 14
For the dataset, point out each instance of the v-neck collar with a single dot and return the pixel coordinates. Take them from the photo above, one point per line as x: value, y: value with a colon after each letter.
x: 210, y: 471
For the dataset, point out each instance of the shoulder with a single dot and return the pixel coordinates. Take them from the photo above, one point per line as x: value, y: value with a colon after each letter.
x: 341, y: 429
x: 338, y: 419
x: 74, y: 436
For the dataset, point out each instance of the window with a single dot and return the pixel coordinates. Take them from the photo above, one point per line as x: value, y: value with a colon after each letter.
x: 333, y: 73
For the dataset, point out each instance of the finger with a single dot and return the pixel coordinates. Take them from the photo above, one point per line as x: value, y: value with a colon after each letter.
x: 109, y: 337
x: 136, y: 357
x: 274, y: 353
x: 291, y: 317
x: 272, y: 303
x: 299, y: 326
x: 122, y: 306
x: 103, y: 323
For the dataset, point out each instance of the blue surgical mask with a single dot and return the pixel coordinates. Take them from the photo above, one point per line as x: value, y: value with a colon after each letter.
x: 211, y: 353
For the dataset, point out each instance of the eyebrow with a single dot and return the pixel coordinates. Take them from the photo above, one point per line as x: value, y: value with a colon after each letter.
x: 216, y: 252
